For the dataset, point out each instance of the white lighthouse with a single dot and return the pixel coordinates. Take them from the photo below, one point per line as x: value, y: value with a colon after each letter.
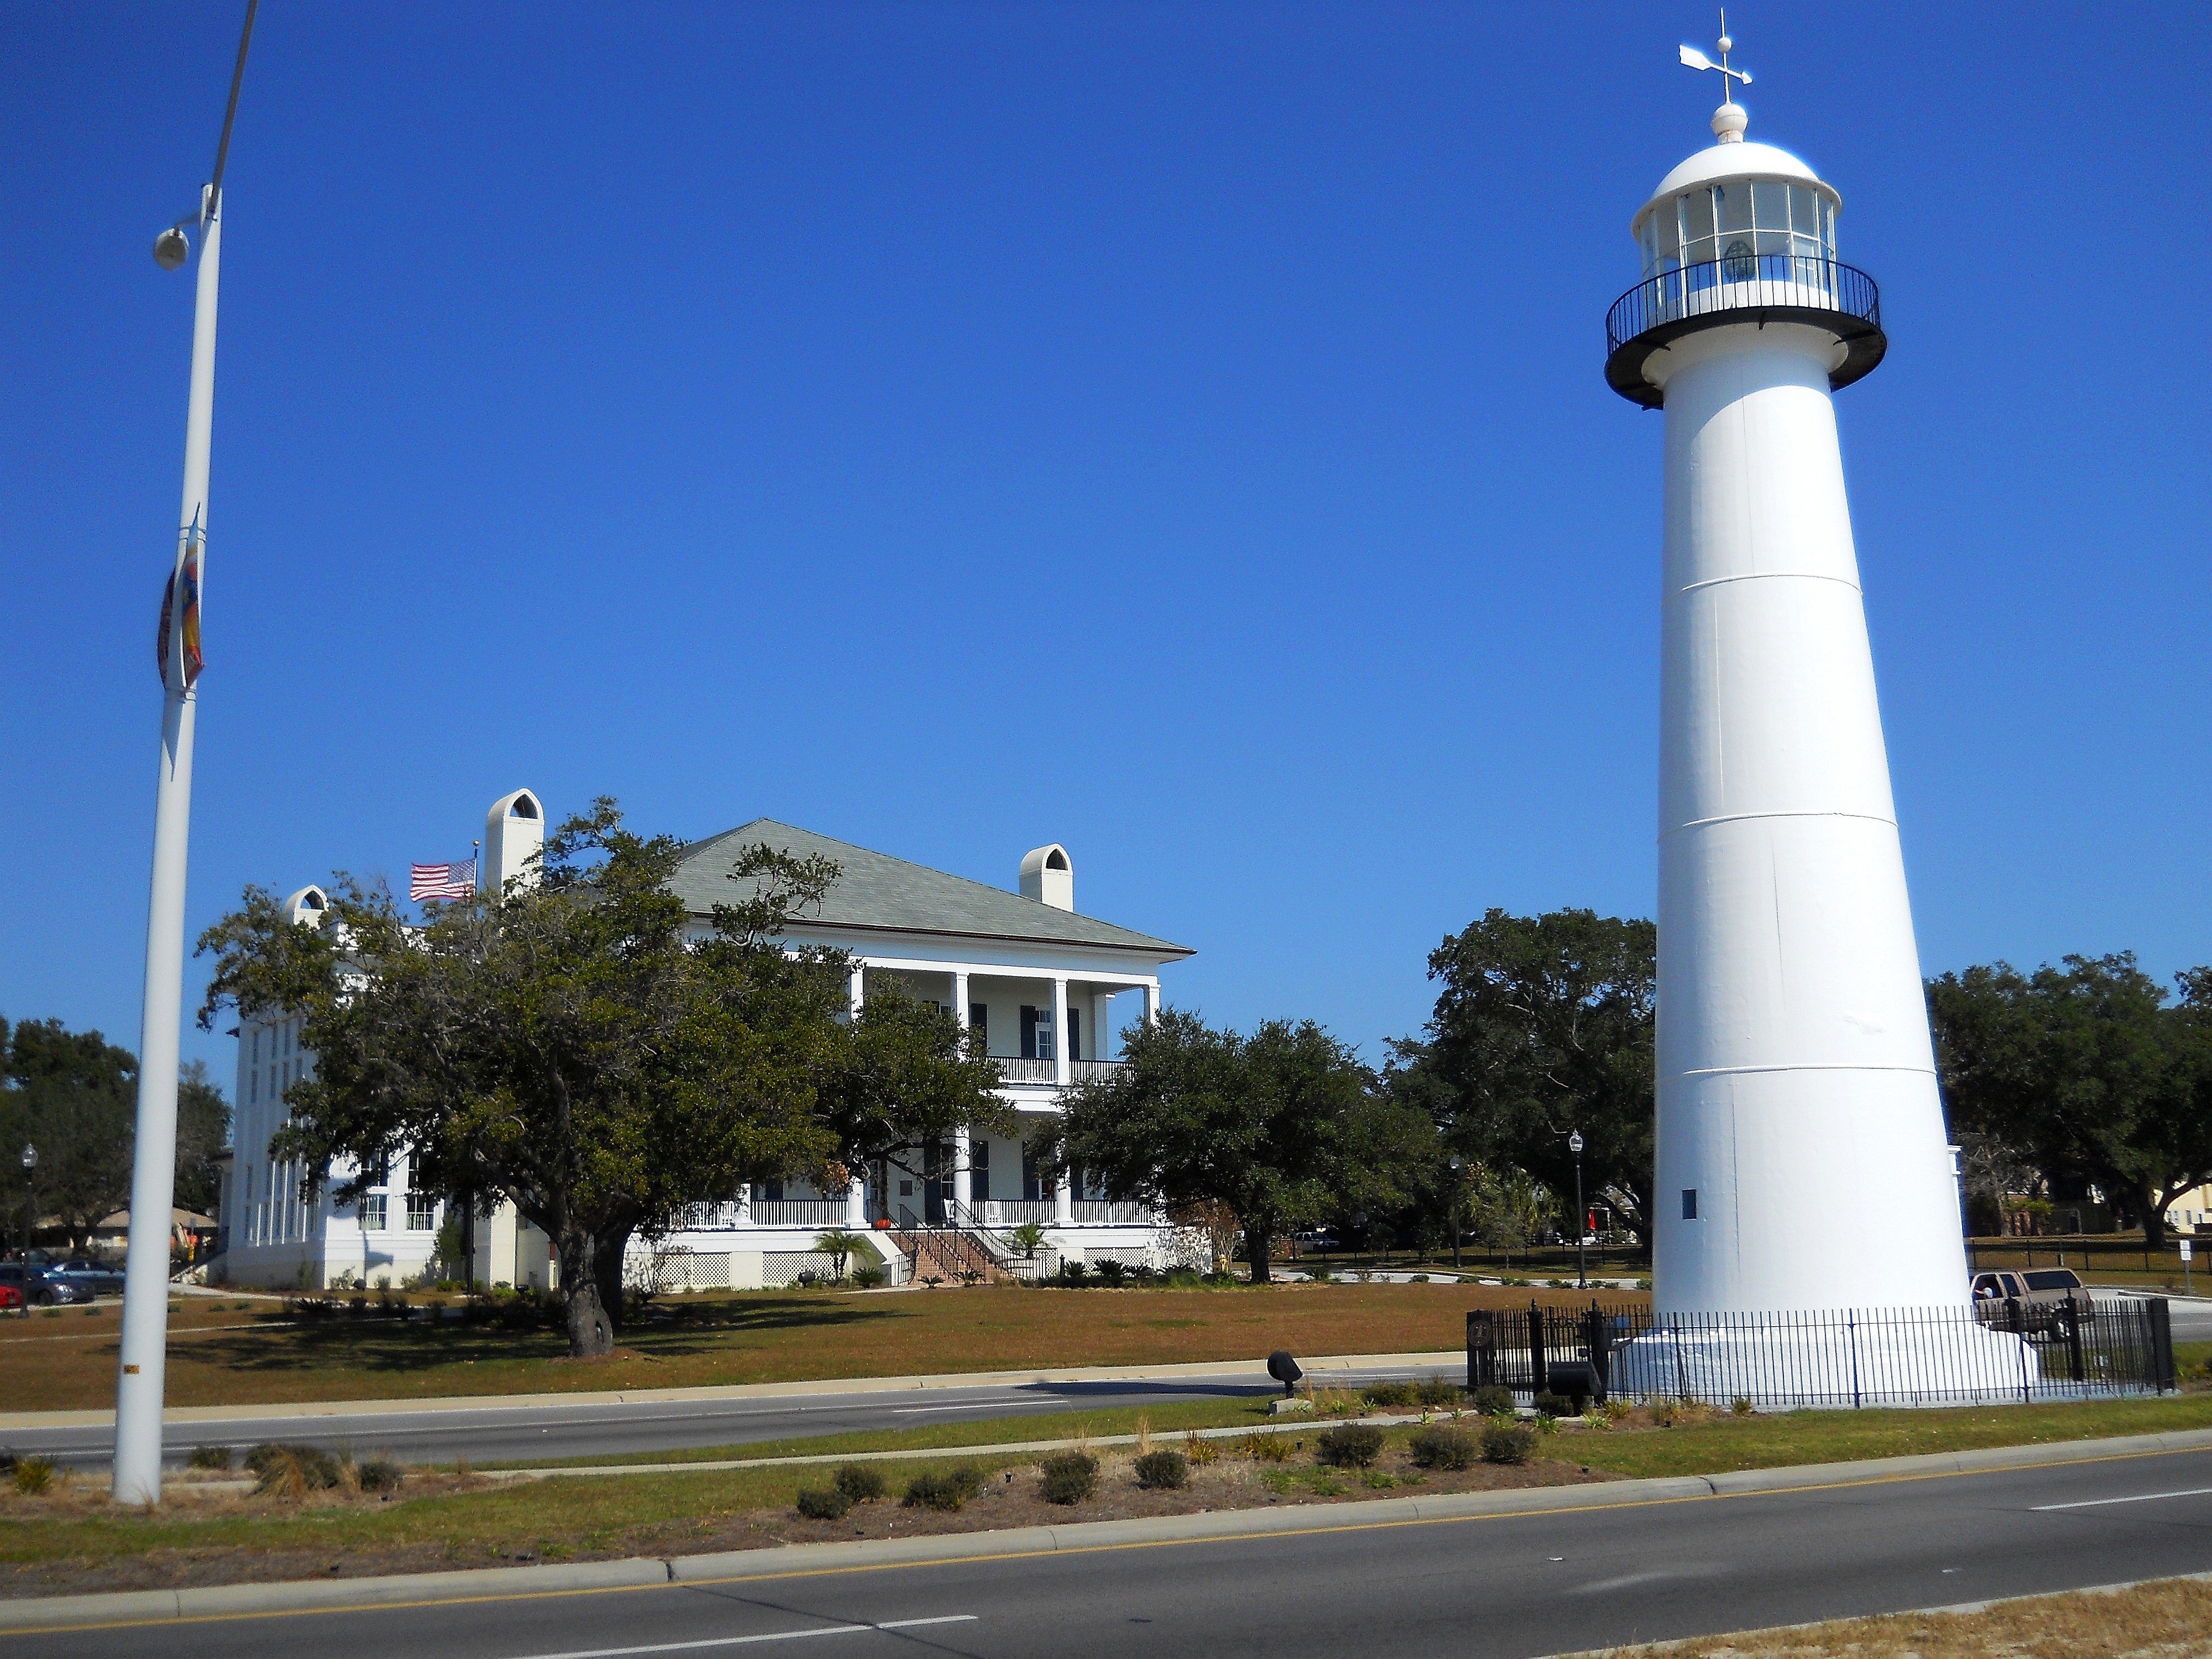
x: 1802, y: 1157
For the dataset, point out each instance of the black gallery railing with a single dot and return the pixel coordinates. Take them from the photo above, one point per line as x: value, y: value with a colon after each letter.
x: 1742, y: 282
x: 1986, y: 1353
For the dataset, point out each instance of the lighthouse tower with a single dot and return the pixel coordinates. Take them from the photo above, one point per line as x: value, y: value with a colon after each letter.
x: 1801, y: 1157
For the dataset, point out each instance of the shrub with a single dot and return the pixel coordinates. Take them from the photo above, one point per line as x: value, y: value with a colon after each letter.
x: 1070, y: 1477
x: 819, y: 1504
x: 1419, y: 1278
x: 1198, y: 1450
x: 947, y: 1489
x: 861, y: 1482
x: 379, y: 1474
x: 1491, y: 1399
x: 1548, y: 1404
x: 1507, y: 1443
x: 291, y: 1471
x: 1350, y: 1445
x: 210, y: 1457
x: 869, y: 1278
x: 1436, y: 1391
x: 1441, y: 1447
x: 1389, y: 1394
x: 1266, y: 1447
x: 1111, y: 1273
x: 1317, y: 1271
x: 33, y: 1475
x: 1740, y: 1405
x: 1165, y: 1470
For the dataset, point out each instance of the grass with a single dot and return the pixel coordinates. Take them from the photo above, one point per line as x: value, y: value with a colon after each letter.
x: 225, y: 1356
x: 2168, y: 1619
x: 69, y: 1538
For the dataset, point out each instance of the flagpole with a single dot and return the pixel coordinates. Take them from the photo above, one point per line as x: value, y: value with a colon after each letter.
x: 144, y: 1348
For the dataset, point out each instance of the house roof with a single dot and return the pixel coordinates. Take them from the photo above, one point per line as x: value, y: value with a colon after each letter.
x: 875, y: 890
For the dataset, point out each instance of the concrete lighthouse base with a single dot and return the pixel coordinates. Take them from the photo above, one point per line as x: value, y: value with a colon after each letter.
x: 1886, y: 1357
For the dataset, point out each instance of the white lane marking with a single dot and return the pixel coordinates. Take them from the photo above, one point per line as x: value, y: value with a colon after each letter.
x: 980, y: 1406
x: 2139, y: 1497
x: 771, y: 1636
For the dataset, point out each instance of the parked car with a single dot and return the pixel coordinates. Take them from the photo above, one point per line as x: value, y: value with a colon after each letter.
x: 96, y: 1278
x: 11, y: 1298
x: 2045, y: 1295
x: 37, y: 1285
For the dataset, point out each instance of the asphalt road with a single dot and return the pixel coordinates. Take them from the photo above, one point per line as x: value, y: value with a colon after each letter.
x: 647, y: 1428
x: 1524, y: 1585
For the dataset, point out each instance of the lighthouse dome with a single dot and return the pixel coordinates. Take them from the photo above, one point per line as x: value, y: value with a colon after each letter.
x: 1734, y: 199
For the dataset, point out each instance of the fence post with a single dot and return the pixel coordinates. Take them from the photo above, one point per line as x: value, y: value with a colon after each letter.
x: 2075, y: 1362
x: 1598, y: 1341
x: 1853, y: 1317
x: 2161, y: 1342
x: 1481, y: 1349
x: 1536, y: 1381
x: 2016, y: 1322
x: 1681, y: 1371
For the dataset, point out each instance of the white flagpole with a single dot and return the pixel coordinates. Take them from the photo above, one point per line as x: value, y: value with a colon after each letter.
x: 154, y: 1168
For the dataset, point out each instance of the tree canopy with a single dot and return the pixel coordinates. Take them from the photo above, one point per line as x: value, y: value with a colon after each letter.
x: 1280, y: 1127
x: 74, y: 1095
x: 570, y: 1046
x: 1543, y: 1027
x: 2087, y: 1069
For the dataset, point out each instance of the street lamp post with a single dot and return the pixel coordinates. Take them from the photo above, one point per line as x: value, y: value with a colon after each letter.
x: 1457, y: 1165
x: 1582, y: 1260
x: 30, y: 1200
x: 144, y: 1346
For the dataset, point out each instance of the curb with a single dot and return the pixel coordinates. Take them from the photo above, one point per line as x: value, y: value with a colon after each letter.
x: 136, y: 1607
x: 1449, y: 1358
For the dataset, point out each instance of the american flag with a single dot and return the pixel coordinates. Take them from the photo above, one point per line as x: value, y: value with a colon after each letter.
x: 441, y: 881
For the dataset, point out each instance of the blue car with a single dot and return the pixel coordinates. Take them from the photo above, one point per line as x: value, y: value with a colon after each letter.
x: 94, y: 1278
x: 39, y: 1286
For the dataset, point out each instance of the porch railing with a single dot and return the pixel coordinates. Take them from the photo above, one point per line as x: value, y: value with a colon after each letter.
x: 1013, y: 1069
x: 797, y: 1213
x: 1094, y: 1213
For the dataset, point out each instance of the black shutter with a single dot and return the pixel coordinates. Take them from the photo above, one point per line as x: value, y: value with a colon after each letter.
x: 1075, y: 1033
x: 1029, y: 1032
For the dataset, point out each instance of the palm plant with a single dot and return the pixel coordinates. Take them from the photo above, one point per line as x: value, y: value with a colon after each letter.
x: 838, y: 1244
x: 1029, y: 1235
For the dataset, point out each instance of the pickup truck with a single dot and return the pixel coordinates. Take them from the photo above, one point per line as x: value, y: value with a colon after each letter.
x: 2045, y: 1294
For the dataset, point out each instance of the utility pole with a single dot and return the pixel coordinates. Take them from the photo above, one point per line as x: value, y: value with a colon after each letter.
x: 1582, y: 1216
x: 144, y: 1348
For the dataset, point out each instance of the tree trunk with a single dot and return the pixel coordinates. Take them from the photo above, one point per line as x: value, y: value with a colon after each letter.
x: 1257, y: 1239
x: 2154, y: 1218
x: 591, y: 1333
x: 608, y: 1256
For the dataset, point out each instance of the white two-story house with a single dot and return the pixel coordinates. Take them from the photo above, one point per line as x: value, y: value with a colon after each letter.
x: 1049, y: 988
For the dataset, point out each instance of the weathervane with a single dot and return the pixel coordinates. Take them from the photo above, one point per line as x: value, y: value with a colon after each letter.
x: 1732, y: 127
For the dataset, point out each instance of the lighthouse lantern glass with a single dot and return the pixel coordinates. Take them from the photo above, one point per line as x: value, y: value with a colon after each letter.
x: 1734, y: 221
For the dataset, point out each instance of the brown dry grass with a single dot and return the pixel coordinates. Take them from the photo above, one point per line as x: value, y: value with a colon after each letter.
x: 778, y: 1336
x: 2171, y: 1619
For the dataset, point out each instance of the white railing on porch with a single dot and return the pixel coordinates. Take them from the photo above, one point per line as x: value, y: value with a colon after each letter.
x: 1014, y: 1211
x: 1012, y: 1069
x: 1094, y: 1213
x: 765, y: 1213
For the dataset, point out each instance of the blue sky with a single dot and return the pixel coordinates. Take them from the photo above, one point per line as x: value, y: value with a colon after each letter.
x: 1176, y: 430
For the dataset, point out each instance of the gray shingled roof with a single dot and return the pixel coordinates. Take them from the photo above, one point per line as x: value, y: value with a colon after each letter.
x: 878, y: 890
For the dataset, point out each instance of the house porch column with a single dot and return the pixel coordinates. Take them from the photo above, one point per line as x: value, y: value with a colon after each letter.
x: 964, y: 1185
x: 1059, y: 1043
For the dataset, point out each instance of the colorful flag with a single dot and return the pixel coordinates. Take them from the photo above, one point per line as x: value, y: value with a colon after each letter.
x: 187, y: 640
x: 441, y: 881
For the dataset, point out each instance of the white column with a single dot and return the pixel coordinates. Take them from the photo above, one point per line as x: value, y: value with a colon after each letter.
x: 856, y: 1202
x: 1100, y: 1002
x: 963, y: 1186
x: 960, y: 998
x: 1151, y: 1002
x: 1059, y: 1029
x: 1063, y: 1204
x: 859, y: 971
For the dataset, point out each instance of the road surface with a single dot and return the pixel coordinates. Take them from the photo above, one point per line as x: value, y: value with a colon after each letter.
x: 1503, y: 1586
x: 647, y: 1429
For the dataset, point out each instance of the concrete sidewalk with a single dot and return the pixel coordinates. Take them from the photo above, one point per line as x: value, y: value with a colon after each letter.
x: 1318, y: 1369
x: 217, y: 1602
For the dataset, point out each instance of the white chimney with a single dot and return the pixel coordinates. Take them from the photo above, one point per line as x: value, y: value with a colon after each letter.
x: 514, y: 831
x: 308, y: 908
x: 1049, y: 877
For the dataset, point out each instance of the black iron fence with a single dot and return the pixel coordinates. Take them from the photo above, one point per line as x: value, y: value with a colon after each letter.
x: 1742, y: 282
x: 1993, y: 1351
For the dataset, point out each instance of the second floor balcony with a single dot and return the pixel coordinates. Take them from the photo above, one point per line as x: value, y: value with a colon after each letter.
x: 1013, y: 1069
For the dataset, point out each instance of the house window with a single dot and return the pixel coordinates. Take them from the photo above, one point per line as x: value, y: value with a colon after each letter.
x: 1689, y: 1203
x: 371, y: 1212
x: 1032, y: 1191
x: 768, y: 1192
x: 979, y: 1018
x: 1036, y: 1033
x: 979, y: 1171
x: 422, y: 1213
x: 1075, y: 1034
